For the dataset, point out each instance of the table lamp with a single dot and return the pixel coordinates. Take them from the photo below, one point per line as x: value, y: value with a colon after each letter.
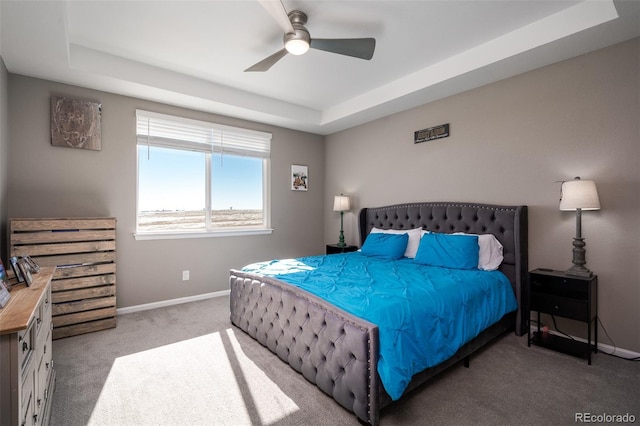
x: 579, y: 195
x: 341, y: 204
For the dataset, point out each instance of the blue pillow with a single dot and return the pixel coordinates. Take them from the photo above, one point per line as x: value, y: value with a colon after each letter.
x: 385, y: 246
x: 448, y: 251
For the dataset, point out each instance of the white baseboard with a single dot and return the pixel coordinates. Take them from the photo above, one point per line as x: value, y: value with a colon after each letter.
x: 171, y: 302
x: 611, y: 350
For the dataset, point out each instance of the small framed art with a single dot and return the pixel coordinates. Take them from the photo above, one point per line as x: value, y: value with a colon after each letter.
x: 4, y: 285
x: 33, y: 266
x: 26, y: 271
x: 16, y: 269
x: 4, y: 278
x: 299, y: 178
x: 4, y: 295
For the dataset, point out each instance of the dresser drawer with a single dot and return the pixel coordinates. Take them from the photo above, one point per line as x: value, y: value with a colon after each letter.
x: 26, y: 343
x: 43, y: 375
x: 26, y: 400
x: 43, y: 315
x: 43, y: 331
x: 555, y: 305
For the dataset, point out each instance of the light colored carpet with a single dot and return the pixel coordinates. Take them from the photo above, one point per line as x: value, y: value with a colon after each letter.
x: 187, y: 365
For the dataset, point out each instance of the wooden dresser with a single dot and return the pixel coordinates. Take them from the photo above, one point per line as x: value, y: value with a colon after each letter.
x: 27, y: 377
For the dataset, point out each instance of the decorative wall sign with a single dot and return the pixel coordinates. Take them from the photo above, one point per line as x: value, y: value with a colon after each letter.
x: 437, y: 132
x: 75, y: 123
x: 299, y: 178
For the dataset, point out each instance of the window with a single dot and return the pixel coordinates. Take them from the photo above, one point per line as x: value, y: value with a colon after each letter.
x: 199, y: 178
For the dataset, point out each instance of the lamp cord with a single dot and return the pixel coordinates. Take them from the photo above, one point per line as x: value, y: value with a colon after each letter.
x: 561, y: 182
x: 635, y: 359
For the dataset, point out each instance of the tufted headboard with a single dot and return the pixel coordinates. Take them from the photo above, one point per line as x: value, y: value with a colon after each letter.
x: 508, y: 223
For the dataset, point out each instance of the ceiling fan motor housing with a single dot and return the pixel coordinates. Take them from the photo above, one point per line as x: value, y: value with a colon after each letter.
x: 297, y: 43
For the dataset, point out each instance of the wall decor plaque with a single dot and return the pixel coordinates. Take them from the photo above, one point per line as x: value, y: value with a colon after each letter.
x: 75, y: 123
x: 437, y: 132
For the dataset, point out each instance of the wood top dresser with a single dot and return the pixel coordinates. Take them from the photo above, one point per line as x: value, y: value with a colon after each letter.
x: 27, y: 377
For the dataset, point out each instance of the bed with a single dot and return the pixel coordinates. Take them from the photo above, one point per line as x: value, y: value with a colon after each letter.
x: 340, y: 352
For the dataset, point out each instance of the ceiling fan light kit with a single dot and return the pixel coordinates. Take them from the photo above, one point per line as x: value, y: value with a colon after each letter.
x: 296, y: 47
x: 297, y: 39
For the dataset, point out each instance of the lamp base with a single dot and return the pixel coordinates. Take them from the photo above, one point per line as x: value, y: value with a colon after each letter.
x: 579, y: 271
x: 341, y: 242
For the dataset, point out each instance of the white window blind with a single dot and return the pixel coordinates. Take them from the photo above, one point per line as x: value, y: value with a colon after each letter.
x: 155, y: 129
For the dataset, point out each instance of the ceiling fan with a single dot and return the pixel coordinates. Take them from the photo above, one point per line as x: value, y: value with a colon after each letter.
x: 297, y: 40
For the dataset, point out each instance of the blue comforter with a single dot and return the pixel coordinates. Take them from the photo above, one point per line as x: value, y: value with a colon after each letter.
x: 424, y: 313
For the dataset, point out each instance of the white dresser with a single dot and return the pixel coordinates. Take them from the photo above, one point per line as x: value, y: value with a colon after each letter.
x: 27, y: 377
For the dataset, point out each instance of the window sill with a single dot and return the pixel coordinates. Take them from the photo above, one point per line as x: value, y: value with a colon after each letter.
x: 199, y: 234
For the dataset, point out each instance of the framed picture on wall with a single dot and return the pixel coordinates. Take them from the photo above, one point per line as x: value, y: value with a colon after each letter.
x: 76, y: 123
x: 299, y: 178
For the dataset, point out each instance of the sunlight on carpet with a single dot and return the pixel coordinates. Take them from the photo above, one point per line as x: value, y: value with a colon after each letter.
x: 203, y: 380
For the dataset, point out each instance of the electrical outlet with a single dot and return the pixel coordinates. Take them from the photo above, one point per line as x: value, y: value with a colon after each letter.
x: 185, y: 275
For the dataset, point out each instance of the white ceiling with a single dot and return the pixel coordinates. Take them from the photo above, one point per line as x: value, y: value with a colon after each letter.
x: 193, y: 53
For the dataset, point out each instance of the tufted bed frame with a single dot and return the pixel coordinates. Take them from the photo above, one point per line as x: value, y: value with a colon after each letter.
x: 337, y: 351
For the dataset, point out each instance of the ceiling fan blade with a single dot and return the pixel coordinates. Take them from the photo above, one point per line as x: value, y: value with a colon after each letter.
x: 279, y: 13
x: 362, y: 48
x: 267, y: 63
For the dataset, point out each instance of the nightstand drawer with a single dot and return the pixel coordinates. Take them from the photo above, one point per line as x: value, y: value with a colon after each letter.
x: 554, y: 305
x: 562, y: 287
x: 334, y: 248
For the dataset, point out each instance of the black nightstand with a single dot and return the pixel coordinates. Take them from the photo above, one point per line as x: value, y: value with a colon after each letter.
x: 556, y: 293
x: 334, y: 248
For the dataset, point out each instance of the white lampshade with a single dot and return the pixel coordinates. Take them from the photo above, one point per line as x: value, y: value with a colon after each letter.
x: 579, y: 194
x: 341, y: 203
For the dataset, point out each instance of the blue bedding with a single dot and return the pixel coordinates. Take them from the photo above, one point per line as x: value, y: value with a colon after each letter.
x: 424, y: 313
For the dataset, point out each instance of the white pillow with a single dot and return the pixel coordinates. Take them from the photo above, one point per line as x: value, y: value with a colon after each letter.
x: 490, y: 251
x: 414, y: 238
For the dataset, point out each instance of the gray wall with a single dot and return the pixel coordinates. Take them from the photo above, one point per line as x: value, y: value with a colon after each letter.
x: 510, y: 143
x: 4, y: 159
x: 46, y: 181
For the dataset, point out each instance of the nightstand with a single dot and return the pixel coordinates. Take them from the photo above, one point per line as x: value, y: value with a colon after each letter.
x: 334, y: 248
x: 559, y: 294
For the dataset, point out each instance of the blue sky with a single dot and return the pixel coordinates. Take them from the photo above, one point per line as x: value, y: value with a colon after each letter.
x: 175, y: 180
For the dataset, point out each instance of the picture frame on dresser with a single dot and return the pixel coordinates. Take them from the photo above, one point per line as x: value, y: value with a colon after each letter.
x: 4, y: 278
x: 25, y: 270
x: 16, y: 269
x: 4, y: 286
x: 4, y: 295
x: 33, y: 266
